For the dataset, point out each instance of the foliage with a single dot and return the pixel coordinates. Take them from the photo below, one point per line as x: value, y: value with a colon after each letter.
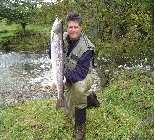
x: 126, y: 112
x: 7, y: 33
x: 19, y: 12
x: 120, y: 30
x: 37, y: 37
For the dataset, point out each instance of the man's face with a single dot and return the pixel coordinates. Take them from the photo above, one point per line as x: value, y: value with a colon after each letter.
x: 74, y: 30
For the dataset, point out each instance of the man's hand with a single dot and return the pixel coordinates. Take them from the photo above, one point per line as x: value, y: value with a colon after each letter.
x: 64, y: 81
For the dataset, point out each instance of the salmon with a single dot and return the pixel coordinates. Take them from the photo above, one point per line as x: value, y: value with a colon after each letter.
x: 57, y: 62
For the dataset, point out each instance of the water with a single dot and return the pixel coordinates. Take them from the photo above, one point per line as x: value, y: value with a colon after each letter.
x: 23, y: 75
x: 18, y: 68
x: 27, y: 75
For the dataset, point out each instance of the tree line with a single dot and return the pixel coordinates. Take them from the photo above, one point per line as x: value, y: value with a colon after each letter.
x: 120, y: 29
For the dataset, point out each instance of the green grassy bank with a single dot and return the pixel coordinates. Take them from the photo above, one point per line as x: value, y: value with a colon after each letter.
x: 12, y: 38
x: 126, y: 113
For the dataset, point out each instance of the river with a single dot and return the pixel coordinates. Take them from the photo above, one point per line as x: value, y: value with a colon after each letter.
x: 27, y: 75
x: 24, y: 75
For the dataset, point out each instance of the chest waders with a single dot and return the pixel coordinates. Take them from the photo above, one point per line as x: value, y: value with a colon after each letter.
x: 81, y: 47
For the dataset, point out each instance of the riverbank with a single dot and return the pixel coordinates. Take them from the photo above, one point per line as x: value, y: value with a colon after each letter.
x: 126, y: 112
x: 12, y: 38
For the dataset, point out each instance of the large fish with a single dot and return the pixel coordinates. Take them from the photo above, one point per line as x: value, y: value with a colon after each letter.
x: 57, y: 62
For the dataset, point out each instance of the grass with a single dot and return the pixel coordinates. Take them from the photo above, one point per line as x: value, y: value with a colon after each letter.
x: 11, y: 36
x: 4, y: 27
x: 7, y: 32
x: 7, y: 27
x: 126, y: 113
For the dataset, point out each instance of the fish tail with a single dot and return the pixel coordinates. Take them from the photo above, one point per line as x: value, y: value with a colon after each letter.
x: 61, y: 102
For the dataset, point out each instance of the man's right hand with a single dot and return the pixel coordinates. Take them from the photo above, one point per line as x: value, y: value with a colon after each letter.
x: 64, y: 80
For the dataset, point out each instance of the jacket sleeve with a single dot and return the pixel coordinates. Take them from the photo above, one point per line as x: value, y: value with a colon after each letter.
x: 82, y: 68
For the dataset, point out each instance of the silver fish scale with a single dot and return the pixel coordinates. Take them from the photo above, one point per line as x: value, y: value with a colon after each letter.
x: 57, y: 52
x: 59, y: 66
x: 57, y: 62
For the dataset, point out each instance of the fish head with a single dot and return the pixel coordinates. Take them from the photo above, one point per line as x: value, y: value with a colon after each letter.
x: 57, y: 25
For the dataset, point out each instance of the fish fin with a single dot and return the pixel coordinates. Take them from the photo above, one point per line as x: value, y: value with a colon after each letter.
x: 61, y: 102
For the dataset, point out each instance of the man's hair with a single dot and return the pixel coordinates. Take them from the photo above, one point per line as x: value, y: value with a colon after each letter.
x: 73, y: 16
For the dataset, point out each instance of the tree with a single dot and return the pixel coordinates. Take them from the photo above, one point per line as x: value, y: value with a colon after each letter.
x: 121, y: 30
x: 19, y: 12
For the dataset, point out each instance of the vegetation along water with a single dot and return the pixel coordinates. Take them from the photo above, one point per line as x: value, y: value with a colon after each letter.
x: 123, y: 35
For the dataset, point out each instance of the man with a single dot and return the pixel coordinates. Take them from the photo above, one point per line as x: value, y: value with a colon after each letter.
x: 78, y: 73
